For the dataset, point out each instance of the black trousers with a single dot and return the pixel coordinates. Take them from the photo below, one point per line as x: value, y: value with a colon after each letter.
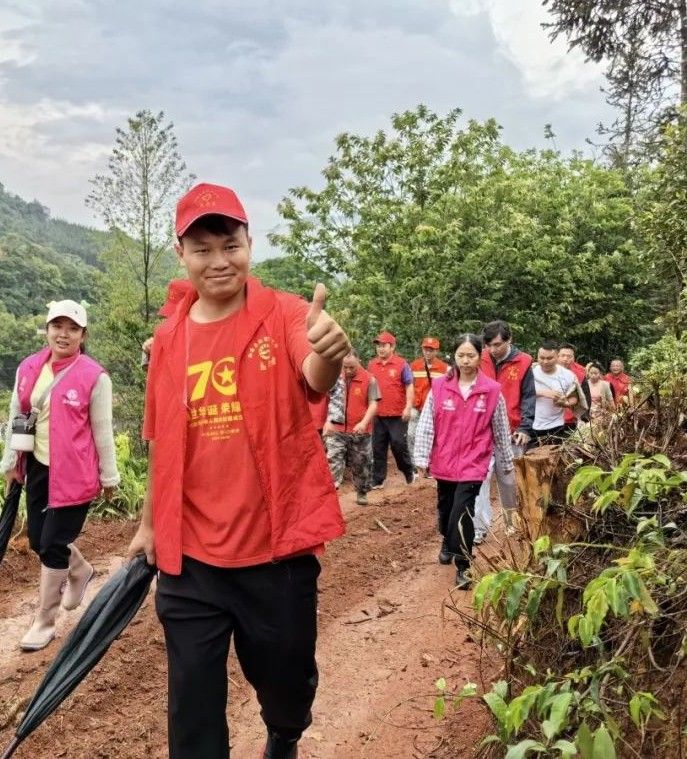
x: 390, y: 431
x: 456, y: 506
x: 50, y: 530
x: 271, y: 610
x: 552, y: 436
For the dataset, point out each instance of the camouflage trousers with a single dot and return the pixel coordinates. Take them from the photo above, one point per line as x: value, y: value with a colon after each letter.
x: 354, y: 450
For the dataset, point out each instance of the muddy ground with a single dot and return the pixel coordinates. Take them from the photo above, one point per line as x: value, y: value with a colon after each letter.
x: 385, y: 637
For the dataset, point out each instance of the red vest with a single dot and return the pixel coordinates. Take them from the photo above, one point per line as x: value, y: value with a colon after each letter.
x: 392, y: 390
x: 289, y: 457
x: 74, y: 472
x: 621, y: 384
x: 510, y: 377
x: 355, y: 401
x: 318, y: 409
x: 463, y: 438
x: 420, y: 382
x: 579, y: 371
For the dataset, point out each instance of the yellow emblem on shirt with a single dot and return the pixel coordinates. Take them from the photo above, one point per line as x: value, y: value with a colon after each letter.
x: 265, y: 348
x: 222, y: 375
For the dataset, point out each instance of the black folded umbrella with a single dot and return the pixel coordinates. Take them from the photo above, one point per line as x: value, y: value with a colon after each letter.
x: 107, y: 615
x: 9, y: 516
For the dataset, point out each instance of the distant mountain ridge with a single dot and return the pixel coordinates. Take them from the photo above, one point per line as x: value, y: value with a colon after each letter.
x: 42, y: 258
x: 33, y: 221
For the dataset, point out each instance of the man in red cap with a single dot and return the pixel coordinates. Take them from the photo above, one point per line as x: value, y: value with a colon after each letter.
x: 395, y: 381
x: 424, y: 369
x: 232, y: 518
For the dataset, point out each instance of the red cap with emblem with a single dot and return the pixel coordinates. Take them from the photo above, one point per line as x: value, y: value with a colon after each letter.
x: 205, y: 199
x: 385, y: 337
x: 431, y: 342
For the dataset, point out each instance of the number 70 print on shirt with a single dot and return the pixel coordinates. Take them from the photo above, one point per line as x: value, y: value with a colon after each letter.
x: 211, y: 386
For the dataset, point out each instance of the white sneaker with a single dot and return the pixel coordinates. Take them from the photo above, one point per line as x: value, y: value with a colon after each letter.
x: 479, y: 537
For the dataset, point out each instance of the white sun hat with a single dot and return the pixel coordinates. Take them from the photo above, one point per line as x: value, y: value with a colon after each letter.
x: 69, y: 308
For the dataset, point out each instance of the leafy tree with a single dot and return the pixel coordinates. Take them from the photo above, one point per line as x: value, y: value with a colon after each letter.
x: 117, y: 333
x: 644, y: 45
x: 41, y: 259
x: 291, y: 274
x: 18, y: 338
x: 433, y: 228
x: 33, y: 275
x: 664, y: 224
x: 146, y: 174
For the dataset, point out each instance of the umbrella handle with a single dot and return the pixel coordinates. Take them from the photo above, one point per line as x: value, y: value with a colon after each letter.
x: 11, y: 748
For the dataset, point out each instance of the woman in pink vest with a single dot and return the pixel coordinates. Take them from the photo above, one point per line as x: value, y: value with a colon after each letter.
x: 65, y: 463
x: 463, y: 422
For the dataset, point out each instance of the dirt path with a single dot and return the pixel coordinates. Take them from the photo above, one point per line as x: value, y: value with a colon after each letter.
x: 382, y: 646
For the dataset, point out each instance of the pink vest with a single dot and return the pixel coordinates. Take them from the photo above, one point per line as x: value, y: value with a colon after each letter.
x: 463, y: 440
x: 74, y: 475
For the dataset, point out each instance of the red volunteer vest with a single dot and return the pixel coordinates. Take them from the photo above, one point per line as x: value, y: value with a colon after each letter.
x: 392, y: 390
x: 355, y: 401
x: 621, y: 384
x: 289, y: 456
x: 510, y: 377
x: 318, y: 410
x: 579, y: 371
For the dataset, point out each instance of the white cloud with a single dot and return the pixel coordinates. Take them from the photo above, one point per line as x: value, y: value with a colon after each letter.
x: 25, y: 130
x: 258, y: 98
x: 548, y: 69
x: 13, y: 21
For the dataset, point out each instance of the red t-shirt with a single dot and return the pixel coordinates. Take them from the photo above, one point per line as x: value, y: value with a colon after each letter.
x: 226, y: 521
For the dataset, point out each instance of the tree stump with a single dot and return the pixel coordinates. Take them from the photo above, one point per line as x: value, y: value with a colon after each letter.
x: 534, y: 474
x: 538, y: 474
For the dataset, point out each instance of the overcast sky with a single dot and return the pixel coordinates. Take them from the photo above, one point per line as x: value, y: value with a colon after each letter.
x: 258, y: 90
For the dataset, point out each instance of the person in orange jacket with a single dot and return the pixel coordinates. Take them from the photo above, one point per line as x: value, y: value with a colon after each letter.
x: 425, y: 369
x: 240, y: 499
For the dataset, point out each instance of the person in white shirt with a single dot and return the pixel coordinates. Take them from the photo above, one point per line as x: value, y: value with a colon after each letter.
x: 557, y: 389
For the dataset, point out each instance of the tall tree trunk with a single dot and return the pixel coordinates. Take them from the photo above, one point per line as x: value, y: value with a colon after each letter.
x: 683, y: 52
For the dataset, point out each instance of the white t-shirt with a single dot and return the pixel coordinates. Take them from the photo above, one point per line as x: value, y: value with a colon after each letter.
x: 547, y: 415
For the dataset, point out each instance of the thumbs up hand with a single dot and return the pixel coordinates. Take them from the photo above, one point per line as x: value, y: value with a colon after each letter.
x: 325, y: 336
x: 317, y: 306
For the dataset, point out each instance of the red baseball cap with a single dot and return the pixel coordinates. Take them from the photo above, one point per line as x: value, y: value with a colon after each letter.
x: 385, y: 337
x: 205, y: 199
x: 176, y: 290
x: 430, y: 342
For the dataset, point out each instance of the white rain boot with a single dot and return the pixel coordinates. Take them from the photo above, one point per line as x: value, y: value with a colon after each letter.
x: 42, y: 631
x: 80, y: 574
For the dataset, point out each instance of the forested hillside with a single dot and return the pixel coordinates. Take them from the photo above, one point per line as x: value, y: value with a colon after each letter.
x: 41, y: 259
